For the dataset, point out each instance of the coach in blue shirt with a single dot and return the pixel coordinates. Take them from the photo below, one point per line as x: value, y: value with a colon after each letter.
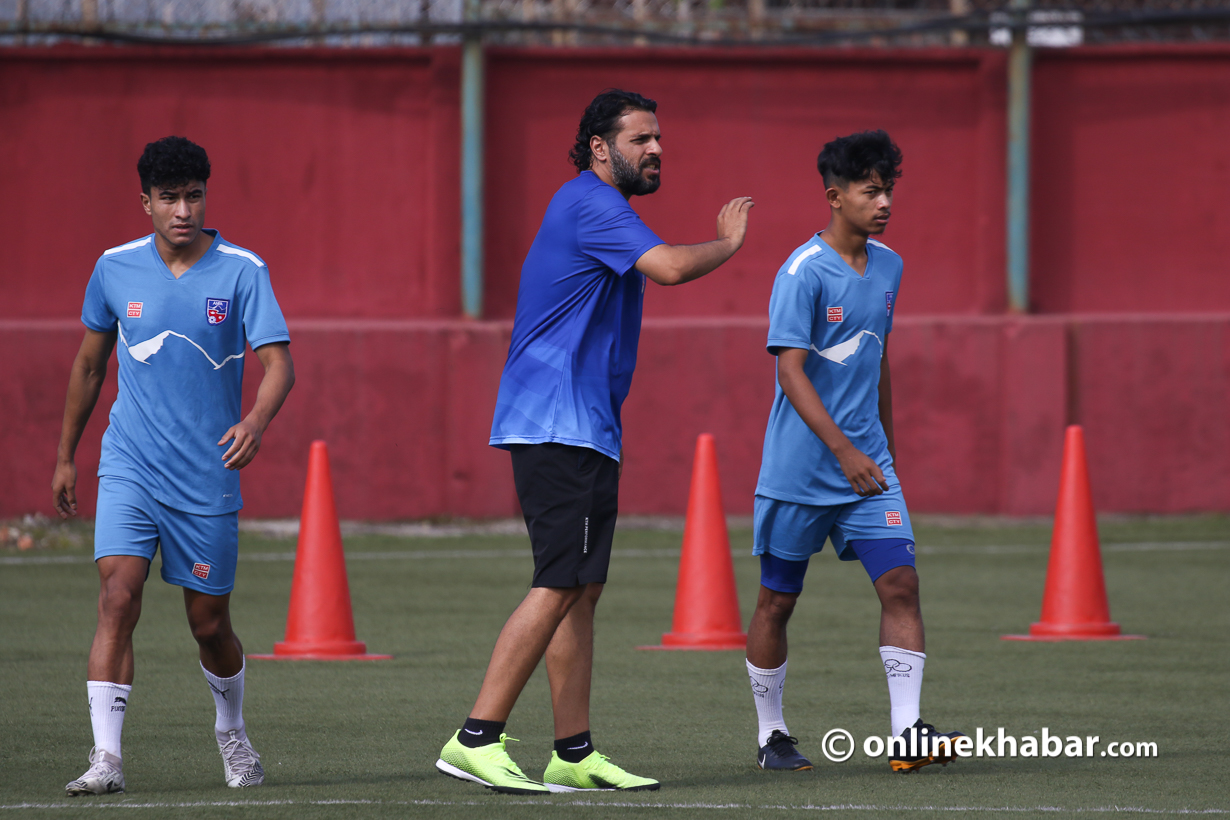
x: 569, y: 368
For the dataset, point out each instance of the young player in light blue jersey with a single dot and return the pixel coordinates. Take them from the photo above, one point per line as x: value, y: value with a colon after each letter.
x: 570, y: 363
x: 182, y: 303
x: 828, y: 467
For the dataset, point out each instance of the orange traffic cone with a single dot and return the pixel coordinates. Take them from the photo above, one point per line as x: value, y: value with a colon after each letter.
x: 706, y: 604
x: 320, y: 626
x: 1074, y: 606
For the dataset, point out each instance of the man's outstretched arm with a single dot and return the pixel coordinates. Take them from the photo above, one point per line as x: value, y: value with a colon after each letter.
x: 676, y: 264
x: 275, y: 386
x: 84, y: 384
x: 863, y: 474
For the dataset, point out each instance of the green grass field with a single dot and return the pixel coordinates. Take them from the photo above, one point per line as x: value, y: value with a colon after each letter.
x: 359, y: 739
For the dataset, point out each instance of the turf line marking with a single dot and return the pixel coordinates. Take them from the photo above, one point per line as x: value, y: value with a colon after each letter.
x: 604, y: 804
x: 414, y: 555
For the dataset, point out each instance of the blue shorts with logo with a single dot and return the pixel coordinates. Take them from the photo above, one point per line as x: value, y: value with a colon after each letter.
x: 198, y: 551
x: 796, y: 532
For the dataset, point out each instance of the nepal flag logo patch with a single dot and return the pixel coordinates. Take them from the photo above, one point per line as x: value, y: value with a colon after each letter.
x: 216, y: 310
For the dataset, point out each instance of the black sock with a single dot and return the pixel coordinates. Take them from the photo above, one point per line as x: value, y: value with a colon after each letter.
x: 574, y: 749
x: 477, y: 733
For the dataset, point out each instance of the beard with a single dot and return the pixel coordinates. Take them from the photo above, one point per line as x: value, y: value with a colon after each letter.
x: 631, y: 180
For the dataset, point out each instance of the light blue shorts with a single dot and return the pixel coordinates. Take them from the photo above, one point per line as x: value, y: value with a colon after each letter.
x: 198, y: 551
x: 796, y: 532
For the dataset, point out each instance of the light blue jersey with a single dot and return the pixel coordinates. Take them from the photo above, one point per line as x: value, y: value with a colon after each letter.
x: 820, y: 304
x: 180, y: 349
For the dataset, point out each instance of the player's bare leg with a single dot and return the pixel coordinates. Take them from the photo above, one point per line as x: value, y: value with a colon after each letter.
x: 902, y: 646
x: 766, y: 635
x: 477, y: 751
x: 575, y: 764
x: 522, y: 643
x: 766, y: 666
x: 570, y: 665
x: 901, y: 622
x: 209, y: 618
x: 122, y: 582
x: 110, y: 671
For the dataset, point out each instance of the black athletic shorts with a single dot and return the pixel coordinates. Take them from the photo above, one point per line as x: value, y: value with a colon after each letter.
x: 569, y: 496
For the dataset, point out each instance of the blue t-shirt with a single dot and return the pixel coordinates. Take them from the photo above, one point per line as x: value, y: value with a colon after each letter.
x: 180, y: 350
x: 819, y: 303
x: 578, y: 322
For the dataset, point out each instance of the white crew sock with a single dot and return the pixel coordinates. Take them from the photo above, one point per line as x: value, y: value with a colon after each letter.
x: 905, y: 674
x: 767, y: 686
x: 228, y: 699
x: 108, y: 703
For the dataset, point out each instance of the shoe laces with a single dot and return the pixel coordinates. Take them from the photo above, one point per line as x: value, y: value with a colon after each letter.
x: 782, y: 743
x: 239, y: 754
x: 99, y: 766
x: 508, y: 761
x: 602, y: 761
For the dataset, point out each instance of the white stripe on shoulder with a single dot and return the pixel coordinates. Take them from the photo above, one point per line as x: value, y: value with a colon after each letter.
x: 878, y: 243
x: 251, y: 257
x: 129, y: 247
x: 803, y: 257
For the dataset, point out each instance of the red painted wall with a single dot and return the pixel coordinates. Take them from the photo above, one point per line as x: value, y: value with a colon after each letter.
x: 1130, y: 166
x: 980, y: 407
x: 341, y: 169
x: 753, y: 124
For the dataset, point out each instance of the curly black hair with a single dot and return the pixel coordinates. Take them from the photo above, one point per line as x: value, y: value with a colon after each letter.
x: 170, y: 162
x: 601, y: 119
x: 853, y: 158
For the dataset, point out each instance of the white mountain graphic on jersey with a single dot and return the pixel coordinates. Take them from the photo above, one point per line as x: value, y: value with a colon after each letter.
x: 141, y: 351
x: 844, y: 350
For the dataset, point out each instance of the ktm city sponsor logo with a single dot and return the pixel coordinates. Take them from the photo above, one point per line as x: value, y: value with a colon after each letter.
x: 892, y: 518
x: 834, y: 314
x: 134, y: 309
x: 200, y: 570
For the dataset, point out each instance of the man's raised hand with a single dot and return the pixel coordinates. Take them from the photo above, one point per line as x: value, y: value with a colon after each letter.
x: 732, y: 220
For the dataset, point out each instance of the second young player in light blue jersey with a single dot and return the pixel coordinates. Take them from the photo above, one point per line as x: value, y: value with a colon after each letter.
x: 828, y: 467
x: 182, y: 303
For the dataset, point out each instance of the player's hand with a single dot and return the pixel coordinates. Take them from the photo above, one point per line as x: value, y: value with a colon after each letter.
x: 245, y: 438
x: 863, y: 474
x: 732, y: 220
x: 64, y: 489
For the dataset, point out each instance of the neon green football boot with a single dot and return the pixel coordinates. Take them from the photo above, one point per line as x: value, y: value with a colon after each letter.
x: 595, y: 772
x: 488, y: 765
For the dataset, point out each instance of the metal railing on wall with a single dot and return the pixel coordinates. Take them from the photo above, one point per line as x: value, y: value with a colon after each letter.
x: 359, y: 23
x: 1018, y: 25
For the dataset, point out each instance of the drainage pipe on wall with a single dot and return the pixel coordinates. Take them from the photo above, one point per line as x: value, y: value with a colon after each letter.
x: 1020, y: 60
x: 472, y: 168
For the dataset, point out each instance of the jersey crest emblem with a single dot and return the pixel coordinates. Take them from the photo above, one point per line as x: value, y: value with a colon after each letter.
x: 216, y: 310
x: 888, y: 303
x: 134, y: 309
x: 834, y: 314
x: 892, y: 518
x: 201, y: 570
